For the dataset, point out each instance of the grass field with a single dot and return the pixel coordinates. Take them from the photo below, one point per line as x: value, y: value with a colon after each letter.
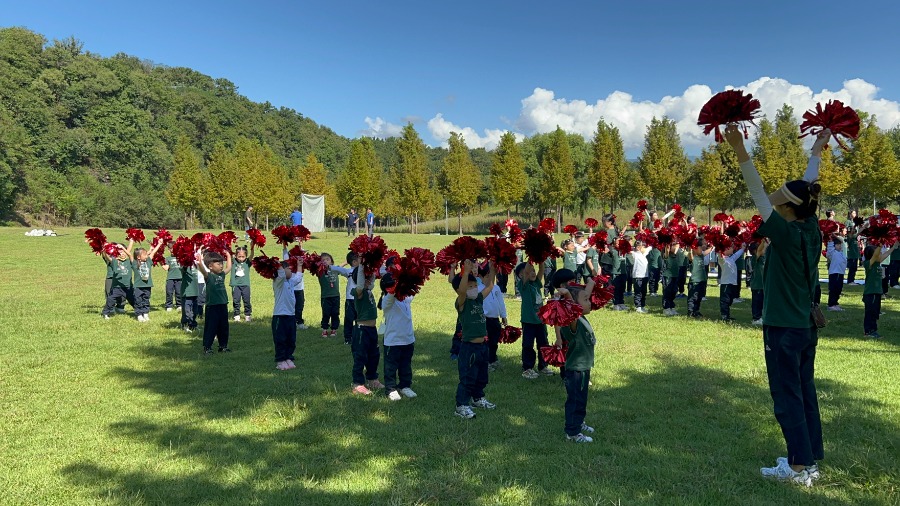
x: 120, y: 412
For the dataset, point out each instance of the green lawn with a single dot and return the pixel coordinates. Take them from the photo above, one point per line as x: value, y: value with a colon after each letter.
x: 120, y: 412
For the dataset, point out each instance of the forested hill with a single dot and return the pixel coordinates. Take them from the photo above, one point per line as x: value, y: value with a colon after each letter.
x: 87, y: 139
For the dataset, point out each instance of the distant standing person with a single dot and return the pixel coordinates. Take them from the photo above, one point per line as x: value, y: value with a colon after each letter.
x: 352, y: 222
x: 370, y: 222
x: 248, y: 221
x: 296, y: 217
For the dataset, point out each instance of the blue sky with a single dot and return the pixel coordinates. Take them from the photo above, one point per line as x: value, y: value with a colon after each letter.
x: 468, y: 66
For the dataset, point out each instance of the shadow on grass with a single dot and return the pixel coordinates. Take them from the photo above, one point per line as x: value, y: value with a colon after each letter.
x: 239, y: 432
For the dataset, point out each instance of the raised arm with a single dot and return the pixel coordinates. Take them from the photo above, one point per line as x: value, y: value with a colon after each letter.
x: 360, y: 281
x: 751, y: 177
x: 812, y: 168
x: 199, y: 258
x: 463, y: 284
x: 489, y: 280
x: 540, y: 272
x: 227, y: 262
x: 737, y: 255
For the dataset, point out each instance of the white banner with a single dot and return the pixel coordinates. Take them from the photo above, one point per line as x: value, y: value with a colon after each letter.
x: 313, y: 212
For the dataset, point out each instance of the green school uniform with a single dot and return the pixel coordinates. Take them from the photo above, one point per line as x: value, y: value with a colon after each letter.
x: 895, y: 256
x: 216, y: 293
x: 330, y: 284
x: 698, y: 269
x: 873, y: 277
x: 189, y: 286
x: 143, y: 274
x: 788, y: 287
x: 174, y: 268
x: 109, y: 270
x: 365, y: 306
x: 654, y: 259
x: 122, y: 273
x: 474, y: 323
x: 569, y: 260
x: 594, y: 257
x: 852, y: 248
x: 532, y: 300
x: 580, y: 354
x: 673, y: 264
x: 240, y: 273
x: 758, y: 263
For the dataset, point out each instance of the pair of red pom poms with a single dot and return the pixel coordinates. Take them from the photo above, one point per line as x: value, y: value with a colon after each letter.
x: 730, y: 106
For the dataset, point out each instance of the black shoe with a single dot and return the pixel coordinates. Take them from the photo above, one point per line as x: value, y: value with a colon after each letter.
x: 727, y: 319
x: 207, y: 351
x: 224, y: 349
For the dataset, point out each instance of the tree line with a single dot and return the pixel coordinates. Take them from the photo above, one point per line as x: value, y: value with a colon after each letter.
x: 120, y: 141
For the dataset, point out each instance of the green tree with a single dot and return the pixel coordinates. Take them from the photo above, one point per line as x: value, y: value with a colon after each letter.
x: 358, y: 185
x: 185, y: 189
x: 409, y: 182
x: 606, y: 176
x: 459, y: 180
x: 663, y: 164
x: 715, y: 187
x: 558, y: 181
x: 777, y: 151
x: 871, y: 165
x: 508, y: 178
x: 223, y: 185
x: 834, y: 178
x: 313, y: 180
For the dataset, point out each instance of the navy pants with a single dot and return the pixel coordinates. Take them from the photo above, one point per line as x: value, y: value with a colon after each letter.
x: 756, y: 304
x: 241, y: 294
x: 299, y: 303
x: 215, y: 325
x: 142, y: 300
x: 835, y: 287
x: 852, y: 265
x: 331, y: 312
x: 695, y: 297
x: 682, y: 278
x: 284, y: 336
x: 872, y: 303
x: 456, y: 339
x: 365, y: 354
x: 618, y: 282
x: 670, y: 289
x: 737, y: 287
x: 653, y: 280
x: 473, y: 372
x: 173, y: 291
x: 533, y: 334
x: 790, y: 365
x: 640, y: 292
x: 398, y: 363
x: 349, y: 320
x: 116, y: 298
x: 726, y: 297
x: 576, y: 399
x: 201, y: 301
x: 493, y: 336
x: 188, y: 312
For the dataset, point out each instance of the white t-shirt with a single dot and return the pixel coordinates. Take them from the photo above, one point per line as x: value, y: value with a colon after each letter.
x: 494, y: 305
x: 351, y: 283
x: 284, y: 294
x: 398, y: 326
x: 639, y: 270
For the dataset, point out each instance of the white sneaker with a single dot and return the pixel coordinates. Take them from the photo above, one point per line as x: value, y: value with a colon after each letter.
x: 394, y: 395
x: 703, y: 299
x: 737, y: 301
x: 579, y: 438
x: 464, y: 412
x: 758, y: 322
x: 642, y: 310
x: 835, y: 308
x: 302, y: 326
x: 896, y: 287
x: 146, y: 318
x: 586, y: 428
x: 247, y: 319
x: 237, y: 318
x: 814, y: 472
x: 408, y: 392
x: 783, y: 472
x: 177, y: 308
x: 168, y: 310
x: 527, y: 374
x: 547, y: 371
x: 483, y: 403
x: 105, y: 317
x: 493, y: 366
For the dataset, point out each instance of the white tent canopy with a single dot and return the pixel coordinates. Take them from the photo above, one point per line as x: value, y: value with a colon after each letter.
x: 313, y: 212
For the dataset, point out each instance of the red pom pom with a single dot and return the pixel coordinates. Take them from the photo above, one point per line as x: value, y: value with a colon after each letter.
x: 445, y: 259
x: 676, y: 208
x: 183, y: 251
x: 411, y: 272
x: 372, y: 252
x: 603, y: 292
x: 509, y: 334
x: 165, y: 236
x: 266, y: 266
x: 664, y: 236
x: 495, y: 230
x: 96, y: 239
x: 510, y: 223
x: 515, y: 234
x: 570, y: 229
x: 882, y: 229
x: 228, y: 238
x: 301, y: 233
x: 560, y: 312
x: 590, y: 222
x: 315, y: 265
x: 598, y: 239
x: 502, y: 253
x: 623, y: 246
x: 158, y: 258
x: 257, y: 238
x: 554, y: 356
x: 842, y: 120
x: 111, y: 249
x: 733, y: 229
x: 547, y: 225
x: 296, y: 251
x: 829, y: 228
x: 642, y: 205
x: 284, y: 235
x: 730, y: 106
x: 538, y: 246
x: 647, y: 237
x: 134, y: 234
x: 720, y: 217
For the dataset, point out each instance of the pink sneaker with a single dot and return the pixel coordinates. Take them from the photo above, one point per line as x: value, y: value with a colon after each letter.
x: 324, y: 333
x: 333, y: 333
x: 291, y: 364
x: 362, y: 390
x: 282, y: 366
x: 375, y: 385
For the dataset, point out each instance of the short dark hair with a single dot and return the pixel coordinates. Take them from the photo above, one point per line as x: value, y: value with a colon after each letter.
x: 519, y: 269
x: 212, y: 258
x: 458, y: 279
x: 562, y: 277
x: 352, y: 257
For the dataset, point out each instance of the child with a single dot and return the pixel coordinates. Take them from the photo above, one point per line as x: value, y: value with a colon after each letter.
x: 284, y: 322
x: 654, y: 265
x: 699, y: 258
x: 534, y: 332
x: 728, y: 281
x: 190, y: 292
x: 495, y: 313
x: 757, y: 266
x: 350, y: 302
x: 330, y: 284
x: 673, y: 260
x: 121, y: 288
x: 580, y: 339
x: 108, y: 286
x: 872, y: 257
x: 201, y: 292
x: 582, y: 269
x: 852, y: 252
x: 613, y: 266
x: 399, y: 341
x: 240, y: 282
x: 639, y: 275
x: 142, y: 266
x: 739, y: 263
x: 570, y: 255
x: 837, y: 264
x: 472, y: 363
x: 173, y: 283
x: 365, y: 339
x: 215, y: 324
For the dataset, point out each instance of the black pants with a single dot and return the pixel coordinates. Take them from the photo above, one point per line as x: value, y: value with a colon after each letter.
x: 817, y: 293
x: 576, y: 399
x: 682, y: 278
x: 737, y: 286
x: 653, y: 280
x: 331, y: 312
x: 885, y: 286
x: 365, y: 354
x: 790, y: 365
x: 534, y: 335
x: 398, y: 362
x: 473, y: 372
x: 189, y: 312
x: 241, y: 294
x: 548, y: 282
x: 726, y: 297
x: 493, y: 335
x: 756, y: 304
x: 215, y: 326
x: 173, y: 291
x: 629, y: 283
x: 835, y: 287
x: 117, y: 298
x: 640, y: 292
x: 502, y: 281
x: 618, y: 282
x: 852, y: 265
x: 872, y: 303
x: 670, y: 289
x: 456, y: 339
x: 108, y: 288
x: 284, y: 336
x: 142, y: 300
x: 201, y: 300
x: 349, y: 320
x: 894, y: 271
x: 695, y: 297
x: 299, y: 303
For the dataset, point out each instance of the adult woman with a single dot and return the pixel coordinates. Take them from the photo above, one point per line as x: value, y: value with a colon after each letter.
x: 789, y: 334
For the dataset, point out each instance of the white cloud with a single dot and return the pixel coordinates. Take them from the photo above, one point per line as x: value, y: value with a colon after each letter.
x: 440, y: 129
x: 381, y: 129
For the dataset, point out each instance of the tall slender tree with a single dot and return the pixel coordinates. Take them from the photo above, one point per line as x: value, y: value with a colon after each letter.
x: 558, y: 181
x: 663, y: 165
x: 606, y: 176
x: 715, y: 187
x: 459, y: 180
x: 871, y: 164
x: 358, y: 184
x: 411, y: 181
x: 777, y: 151
x: 508, y: 178
x: 184, y: 190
